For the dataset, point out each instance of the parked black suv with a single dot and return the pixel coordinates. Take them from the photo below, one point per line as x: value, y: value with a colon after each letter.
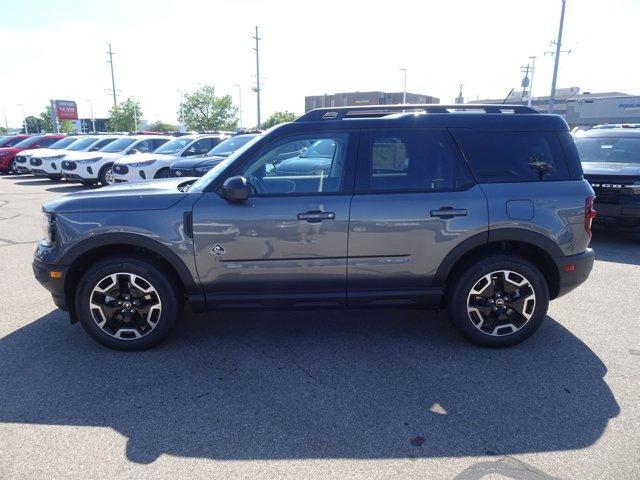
x: 481, y: 209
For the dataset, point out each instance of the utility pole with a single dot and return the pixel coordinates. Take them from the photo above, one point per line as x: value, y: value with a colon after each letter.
x: 533, y: 70
x: 404, y: 89
x: 113, y: 81
x: 24, y: 119
x: 54, y: 117
x: 93, y: 120
x: 135, y: 116
x: 460, y: 98
x: 239, y: 104
x: 552, y: 97
x: 257, y: 87
x: 525, y: 81
x: 183, y: 126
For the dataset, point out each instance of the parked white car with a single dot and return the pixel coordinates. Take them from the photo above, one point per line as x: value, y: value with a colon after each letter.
x: 93, y: 167
x: 156, y: 164
x: 48, y: 162
x: 21, y: 161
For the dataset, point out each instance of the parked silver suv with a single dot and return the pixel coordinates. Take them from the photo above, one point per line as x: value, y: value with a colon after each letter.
x: 484, y: 213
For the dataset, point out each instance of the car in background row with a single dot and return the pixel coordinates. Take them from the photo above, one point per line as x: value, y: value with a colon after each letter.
x: 611, y: 163
x: 196, y: 167
x: 23, y: 159
x: 8, y: 160
x: 49, y: 163
x: 11, y: 140
x: 156, y: 165
x: 90, y: 168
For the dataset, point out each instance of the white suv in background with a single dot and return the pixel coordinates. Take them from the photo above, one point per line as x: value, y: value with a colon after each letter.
x: 156, y: 165
x: 93, y: 167
x: 47, y: 162
x: 21, y: 160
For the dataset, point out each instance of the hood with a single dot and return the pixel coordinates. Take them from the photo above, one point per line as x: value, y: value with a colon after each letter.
x: 9, y: 150
x: 151, y: 195
x: 193, y: 162
x: 97, y: 154
x: 611, y: 168
x: 43, y: 152
x: 143, y: 157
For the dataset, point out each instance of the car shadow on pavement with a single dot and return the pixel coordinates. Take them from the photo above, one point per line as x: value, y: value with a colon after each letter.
x: 68, y: 188
x: 35, y: 182
x: 616, y: 246
x: 311, y: 384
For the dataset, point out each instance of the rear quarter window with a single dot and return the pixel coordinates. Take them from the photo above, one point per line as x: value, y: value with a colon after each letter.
x: 510, y: 157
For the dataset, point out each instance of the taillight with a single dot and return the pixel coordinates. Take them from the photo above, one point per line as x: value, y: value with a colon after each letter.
x: 589, y: 214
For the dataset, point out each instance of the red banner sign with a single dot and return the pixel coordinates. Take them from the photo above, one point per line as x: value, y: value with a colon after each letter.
x: 66, y: 110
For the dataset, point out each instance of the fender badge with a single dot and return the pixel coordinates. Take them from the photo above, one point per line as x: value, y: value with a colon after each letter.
x: 217, y: 250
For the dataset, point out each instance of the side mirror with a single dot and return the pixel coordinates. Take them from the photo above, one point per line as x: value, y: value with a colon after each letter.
x: 235, y: 189
x: 133, y: 152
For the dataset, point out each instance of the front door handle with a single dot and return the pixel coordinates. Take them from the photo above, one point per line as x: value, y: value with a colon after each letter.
x: 449, y: 212
x: 316, y: 216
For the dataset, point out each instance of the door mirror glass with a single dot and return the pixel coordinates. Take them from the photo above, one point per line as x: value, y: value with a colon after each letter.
x: 235, y: 189
x: 133, y: 151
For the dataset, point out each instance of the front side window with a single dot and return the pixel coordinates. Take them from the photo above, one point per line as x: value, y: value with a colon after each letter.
x: 46, y: 142
x: 318, y: 168
x: 174, y: 146
x: 199, y: 147
x: 63, y: 143
x: 609, y: 149
x: 81, y: 144
x: 412, y: 161
x: 118, y: 146
x: 144, y: 146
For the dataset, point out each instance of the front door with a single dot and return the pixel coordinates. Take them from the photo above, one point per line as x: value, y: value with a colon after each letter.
x: 414, y: 202
x: 287, y: 244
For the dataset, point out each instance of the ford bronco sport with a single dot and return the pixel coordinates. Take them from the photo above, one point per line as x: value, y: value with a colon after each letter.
x: 480, y: 209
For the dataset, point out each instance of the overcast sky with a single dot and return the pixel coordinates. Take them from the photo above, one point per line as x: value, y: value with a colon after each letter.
x: 57, y: 49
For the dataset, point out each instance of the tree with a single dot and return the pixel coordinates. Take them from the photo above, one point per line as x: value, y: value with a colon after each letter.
x: 34, y: 124
x: 163, y: 127
x: 125, y: 116
x: 202, y: 111
x: 45, y: 125
x: 277, y: 118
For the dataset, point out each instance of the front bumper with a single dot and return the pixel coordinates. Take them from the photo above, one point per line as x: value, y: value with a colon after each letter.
x: 580, y: 267
x: 52, y: 278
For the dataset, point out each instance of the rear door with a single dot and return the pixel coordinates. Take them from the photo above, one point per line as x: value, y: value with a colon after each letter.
x: 414, y: 201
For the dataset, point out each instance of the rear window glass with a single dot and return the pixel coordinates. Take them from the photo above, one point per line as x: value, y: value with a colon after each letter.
x: 609, y: 149
x: 508, y: 157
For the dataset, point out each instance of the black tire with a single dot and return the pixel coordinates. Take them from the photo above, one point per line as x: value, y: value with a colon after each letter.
x: 162, y: 173
x: 55, y: 177
x: 468, y: 278
x: 104, y: 172
x: 166, y: 289
x: 12, y: 167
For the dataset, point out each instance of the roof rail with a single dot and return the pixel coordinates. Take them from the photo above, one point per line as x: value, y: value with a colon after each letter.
x: 374, y: 111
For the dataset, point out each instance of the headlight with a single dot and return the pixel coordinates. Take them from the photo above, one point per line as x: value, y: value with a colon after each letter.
x: 86, y: 162
x: 49, y: 228
x: 143, y: 164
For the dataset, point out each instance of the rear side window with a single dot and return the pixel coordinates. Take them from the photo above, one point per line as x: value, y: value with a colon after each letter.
x: 508, y: 157
x: 411, y: 161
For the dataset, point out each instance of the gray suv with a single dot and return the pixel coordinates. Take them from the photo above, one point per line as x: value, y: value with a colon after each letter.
x: 479, y: 209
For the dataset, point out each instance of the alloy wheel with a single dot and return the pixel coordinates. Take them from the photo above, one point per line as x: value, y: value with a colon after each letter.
x: 125, y: 306
x: 108, y: 177
x: 501, y: 303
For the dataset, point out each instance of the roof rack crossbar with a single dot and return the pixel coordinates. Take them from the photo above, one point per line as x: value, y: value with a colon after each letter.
x: 373, y: 111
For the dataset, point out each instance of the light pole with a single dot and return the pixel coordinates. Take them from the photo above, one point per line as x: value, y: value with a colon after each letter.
x: 257, y: 88
x: 533, y: 70
x: 24, y: 119
x: 135, y: 116
x: 552, y: 97
x: 404, y: 89
x: 239, y: 103
x: 183, y: 126
x: 6, y: 124
x: 93, y: 120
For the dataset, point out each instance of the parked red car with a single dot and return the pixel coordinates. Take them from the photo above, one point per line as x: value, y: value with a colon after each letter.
x: 11, y: 140
x: 8, y: 154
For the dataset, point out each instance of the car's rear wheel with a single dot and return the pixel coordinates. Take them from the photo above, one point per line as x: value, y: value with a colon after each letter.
x: 498, y: 301
x: 162, y: 173
x: 106, y: 177
x: 128, y: 303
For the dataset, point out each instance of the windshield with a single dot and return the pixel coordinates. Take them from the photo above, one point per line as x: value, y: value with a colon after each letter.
x: 10, y: 141
x: 230, y: 145
x: 118, y: 145
x: 174, y: 146
x: 82, y: 144
x: 320, y: 149
x: 27, y: 142
x: 208, y: 177
x: 62, y: 143
x: 609, y: 149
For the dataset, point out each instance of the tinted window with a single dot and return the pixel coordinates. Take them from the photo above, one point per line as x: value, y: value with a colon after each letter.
x: 63, y: 143
x: 82, y: 144
x: 10, y: 141
x: 144, y: 146
x: 118, y: 146
x: 200, y: 147
x: 609, y: 149
x: 505, y: 157
x: 102, y: 143
x: 48, y: 141
x: 412, y: 161
x: 230, y: 145
x: 174, y: 146
x: 28, y: 142
x: 318, y: 169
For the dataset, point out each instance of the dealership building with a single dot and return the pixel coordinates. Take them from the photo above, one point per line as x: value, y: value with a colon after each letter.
x: 583, y: 109
x: 364, y: 98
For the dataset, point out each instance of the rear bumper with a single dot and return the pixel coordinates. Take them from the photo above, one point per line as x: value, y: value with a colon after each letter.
x: 580, y: 266
x: 55, y: 286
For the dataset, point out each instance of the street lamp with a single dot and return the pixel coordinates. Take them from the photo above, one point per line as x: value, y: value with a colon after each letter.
x: 183, y: 126
x: 239, y: 103
x: 93, y: 120
x: 404, y: 89
x: 24, y: 119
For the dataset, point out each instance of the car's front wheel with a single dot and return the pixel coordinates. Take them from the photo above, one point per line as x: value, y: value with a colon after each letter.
x: 498, y: 301
x: 106, y: 177
x: 128, y: 303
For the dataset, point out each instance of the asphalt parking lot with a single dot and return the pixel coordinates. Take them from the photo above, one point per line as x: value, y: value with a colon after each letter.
x: 317, y: 394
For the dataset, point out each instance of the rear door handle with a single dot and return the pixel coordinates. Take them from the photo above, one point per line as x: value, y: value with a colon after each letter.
x: 449, y: 212
x: 316, y: 216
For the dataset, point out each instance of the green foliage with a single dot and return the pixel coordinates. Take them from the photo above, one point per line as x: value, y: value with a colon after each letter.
x: 202, y: 111
x: 163, y: 127
x: 44, y: 120
x: 123, y: 116
x: 277, y: 118
x: 3, y: 130
x: 34, y: 124
x: 67, y: 126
